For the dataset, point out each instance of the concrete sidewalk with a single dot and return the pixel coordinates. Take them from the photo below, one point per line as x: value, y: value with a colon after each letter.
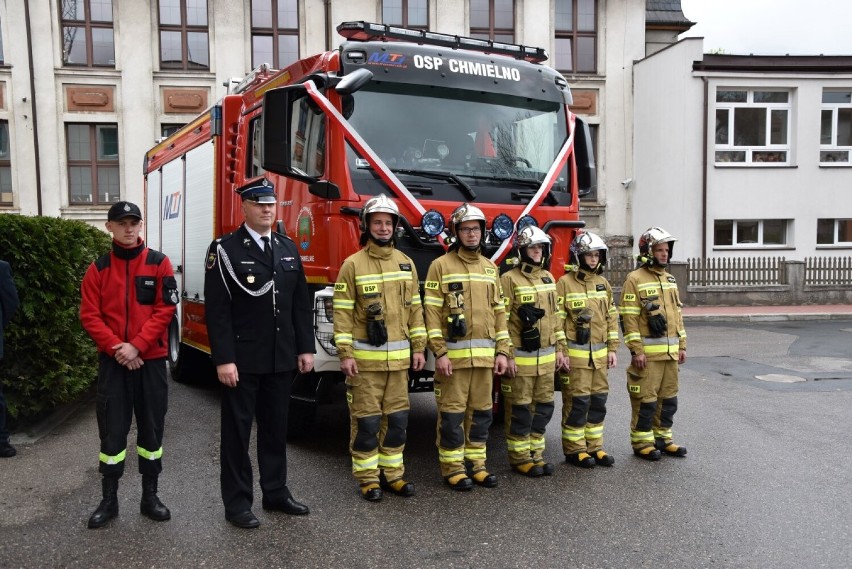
x: 767, y: 313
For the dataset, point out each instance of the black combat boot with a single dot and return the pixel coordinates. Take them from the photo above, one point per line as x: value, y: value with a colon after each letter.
x: 108, y: 508
x: 151, y: 505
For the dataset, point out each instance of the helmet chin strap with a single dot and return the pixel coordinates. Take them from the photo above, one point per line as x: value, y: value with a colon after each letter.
x: 381, y: 242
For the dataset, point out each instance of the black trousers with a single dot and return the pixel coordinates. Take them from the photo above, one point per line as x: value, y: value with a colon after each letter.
x: 266, y: 397
x: 121, y: 393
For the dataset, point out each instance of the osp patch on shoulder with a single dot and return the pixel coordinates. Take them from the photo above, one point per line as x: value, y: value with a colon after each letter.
x: 339, y: 287
x: 629, y: 298
x: 490, y: 272
x: 432, y: 285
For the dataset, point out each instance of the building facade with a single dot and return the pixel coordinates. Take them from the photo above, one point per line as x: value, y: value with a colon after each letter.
x: 744, y: 156
x: 87, y: 86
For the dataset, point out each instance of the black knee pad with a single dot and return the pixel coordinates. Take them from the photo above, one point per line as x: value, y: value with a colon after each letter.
x: 395, y: 434
x: 479, y: 425
x: 452, y: 435
x: 521, y: 420
x: 579, y: 411
x: 668, y: 407
x: 597, y: 408
x: 543, y: 414
x: 367, y: 437
x: 646, y: 416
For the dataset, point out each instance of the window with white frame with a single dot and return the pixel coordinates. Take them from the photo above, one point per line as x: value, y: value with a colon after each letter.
x: 92, y: 163
x: 836, y: 132
x: 750, y: 233
x: 752, y: 127
x: 834, y: 232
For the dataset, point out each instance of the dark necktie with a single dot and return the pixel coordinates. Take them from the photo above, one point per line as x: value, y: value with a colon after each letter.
x: 267, y: 247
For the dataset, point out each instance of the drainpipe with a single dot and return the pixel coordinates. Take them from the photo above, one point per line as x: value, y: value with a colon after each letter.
x: 704, y: 149
x: 328, y: 24
x: 34, y: 108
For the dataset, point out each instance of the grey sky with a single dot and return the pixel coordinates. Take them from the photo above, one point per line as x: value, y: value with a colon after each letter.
x: 772, y: 27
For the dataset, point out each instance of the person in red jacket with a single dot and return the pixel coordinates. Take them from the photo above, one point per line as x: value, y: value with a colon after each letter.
x: 129, y: 298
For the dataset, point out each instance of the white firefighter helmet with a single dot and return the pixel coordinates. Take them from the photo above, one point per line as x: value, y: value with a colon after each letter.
x: 466, y: 212
x: 651, y: 237
x: 379, y: 204
x: 532, y: 235
x: 586, y: 242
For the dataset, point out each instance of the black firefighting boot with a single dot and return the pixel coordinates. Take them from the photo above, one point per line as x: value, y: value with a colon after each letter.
x: 547, y: 468
x: 581, y: 459
x: 151, y: 505
x: 459, y: 482
x: 371, y: 492
x: 602, y: 458
x: 108, y: 508
x: 484, y: 479
x: 647, y: 453
x: 530, y: 469
x: 670, y: 448
x: 400, y: 487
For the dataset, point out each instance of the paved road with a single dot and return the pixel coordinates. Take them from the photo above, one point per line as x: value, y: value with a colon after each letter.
x: 767, y: 483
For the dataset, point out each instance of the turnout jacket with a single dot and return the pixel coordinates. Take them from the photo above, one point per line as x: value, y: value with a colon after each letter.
x: 386, y: 276
x: 641, y: 284
x: 530, y: 284
x: 465, y: 282
x: 258, y: 309
x: 129, y: 295
x: 579, y: 290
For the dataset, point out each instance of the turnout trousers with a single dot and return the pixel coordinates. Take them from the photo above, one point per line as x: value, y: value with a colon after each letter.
x: 653, y: 401
x: 378, y: 418
x: 267, y: 398
x: 528, y: 407
x: 121, y: 393
x: 464, y: 416
x: 584, y: 395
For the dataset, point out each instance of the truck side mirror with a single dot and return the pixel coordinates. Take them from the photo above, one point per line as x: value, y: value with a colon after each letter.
x: 291, y: 138
x: 587, y: 177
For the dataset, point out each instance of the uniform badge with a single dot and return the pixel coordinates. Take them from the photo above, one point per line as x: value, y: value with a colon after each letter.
x: 629, y: 297
x: 250, y: 279
x: 431, y: 285
x: 405, y: 266
x: 546, y: 280
x: 211, y: 261
x: 173, y: 296
x: 671, y: 279
x: 490, y: 272
x: 455, y: 286
x: 600, y: 287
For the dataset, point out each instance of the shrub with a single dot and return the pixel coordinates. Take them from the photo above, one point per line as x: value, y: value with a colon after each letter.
x: 49, y: 359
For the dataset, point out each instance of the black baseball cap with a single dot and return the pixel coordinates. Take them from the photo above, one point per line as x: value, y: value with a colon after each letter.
x: 120, y: 210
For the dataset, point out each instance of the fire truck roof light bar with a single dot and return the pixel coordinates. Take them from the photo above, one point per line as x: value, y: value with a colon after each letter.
x: 366, y: 31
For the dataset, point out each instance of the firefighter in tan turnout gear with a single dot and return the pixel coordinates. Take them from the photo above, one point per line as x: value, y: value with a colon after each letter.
x: 591, y: 327
x: 379, y: 333
x: 653, y: 329
x: 539, y: 346
x: 466, y: 323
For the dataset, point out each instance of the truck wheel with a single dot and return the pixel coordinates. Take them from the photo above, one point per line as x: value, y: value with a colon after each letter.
x: 192, y: 366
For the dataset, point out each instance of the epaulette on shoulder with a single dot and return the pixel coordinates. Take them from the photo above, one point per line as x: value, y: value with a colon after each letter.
x: 283, y: 236
x: 154, y: 257
x: 224, y: 237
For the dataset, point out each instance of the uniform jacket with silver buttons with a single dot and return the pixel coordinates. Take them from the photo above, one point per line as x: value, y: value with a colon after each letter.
x: 258, y: 334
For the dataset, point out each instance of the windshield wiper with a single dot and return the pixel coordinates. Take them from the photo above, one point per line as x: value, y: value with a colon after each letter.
x: 522, y: 181
x: 435, y: 175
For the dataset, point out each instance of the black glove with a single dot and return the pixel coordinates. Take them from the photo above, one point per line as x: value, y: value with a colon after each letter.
x: 377, y: 333
x: 583, y: 327
x: 456, y: 326
x: 529, y: 314
x: 530, y: 339
x: 657, y: 323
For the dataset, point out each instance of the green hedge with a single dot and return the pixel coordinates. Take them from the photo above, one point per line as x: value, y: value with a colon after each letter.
x: 49, y: 359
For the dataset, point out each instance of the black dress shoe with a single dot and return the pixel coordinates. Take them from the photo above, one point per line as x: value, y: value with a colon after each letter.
x: 245, y: 520
x: 288, y: 505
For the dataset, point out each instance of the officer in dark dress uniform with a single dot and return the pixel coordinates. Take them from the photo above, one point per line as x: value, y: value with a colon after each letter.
x: 259, y: 322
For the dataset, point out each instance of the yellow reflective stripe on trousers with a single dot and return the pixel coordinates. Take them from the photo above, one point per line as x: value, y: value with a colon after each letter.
x: 573, y: 434
x: 450, y: 455
x: 150, y: 454
x: 474, y: 453
x: 390, y: 460
x: 518, y: 446
x: 641, y: 436
x: 594, y: 432
x: 665, y: 434
x: 369, y: 463
x: 536, y: 444
x: 115, y: 459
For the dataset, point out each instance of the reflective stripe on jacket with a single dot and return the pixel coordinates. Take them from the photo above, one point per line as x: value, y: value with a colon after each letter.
x: 580, y: 290
x: 640, y: 285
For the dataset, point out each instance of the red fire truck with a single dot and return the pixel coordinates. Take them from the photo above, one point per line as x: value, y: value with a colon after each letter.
x: 432, y: 120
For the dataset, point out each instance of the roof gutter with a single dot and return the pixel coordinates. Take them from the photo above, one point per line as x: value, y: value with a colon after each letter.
x: 704, y: 150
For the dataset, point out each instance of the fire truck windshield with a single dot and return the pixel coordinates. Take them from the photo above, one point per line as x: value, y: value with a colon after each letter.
x: 496, y: 143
